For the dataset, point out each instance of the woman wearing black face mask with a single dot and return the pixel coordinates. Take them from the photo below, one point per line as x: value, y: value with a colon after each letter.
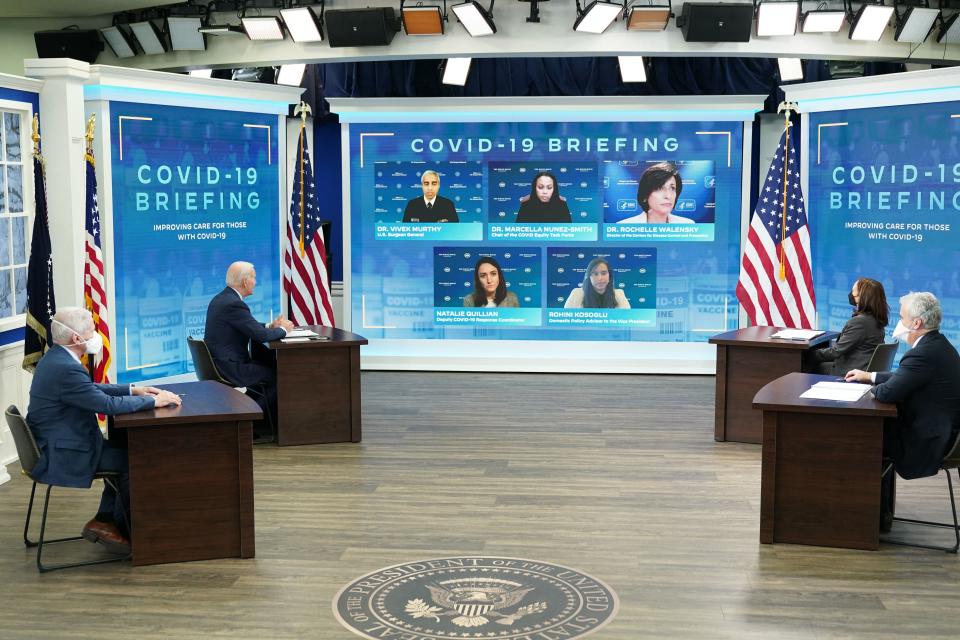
x: 862, y: 333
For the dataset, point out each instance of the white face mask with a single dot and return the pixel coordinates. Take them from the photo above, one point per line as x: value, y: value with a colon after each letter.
x: 900, y: 332
x: 93, y: 346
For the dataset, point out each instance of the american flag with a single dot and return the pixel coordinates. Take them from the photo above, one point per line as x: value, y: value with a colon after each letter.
x: 776, y: 285
x: 304, y: 254
x: 94, y: 287
x: 41, y: 303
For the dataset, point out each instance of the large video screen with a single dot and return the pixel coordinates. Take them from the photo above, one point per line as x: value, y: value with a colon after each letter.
x: 193, y: 191
x: 599, y: 231
x: 884, y: 188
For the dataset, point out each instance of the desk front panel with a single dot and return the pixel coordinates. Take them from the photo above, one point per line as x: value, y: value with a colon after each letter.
x: 315, y: 389
x: 746, y: 370
x: 820, y: 479
x: 191, y: 492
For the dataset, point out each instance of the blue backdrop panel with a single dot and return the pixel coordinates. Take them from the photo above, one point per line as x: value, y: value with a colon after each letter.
x: 687, y: 287
x: 193, y: 190
x: 884, y: 199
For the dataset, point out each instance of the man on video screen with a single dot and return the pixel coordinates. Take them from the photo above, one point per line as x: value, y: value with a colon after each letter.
x: 430, y: 207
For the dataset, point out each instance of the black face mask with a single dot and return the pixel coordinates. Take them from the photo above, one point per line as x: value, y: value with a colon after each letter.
x: 853, y: 303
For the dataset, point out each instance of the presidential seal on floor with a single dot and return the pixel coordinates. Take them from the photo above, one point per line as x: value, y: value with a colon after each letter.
x: 475, y: 597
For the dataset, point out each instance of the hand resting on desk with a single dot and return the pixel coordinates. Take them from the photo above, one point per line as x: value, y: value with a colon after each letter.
x: 856, y: 375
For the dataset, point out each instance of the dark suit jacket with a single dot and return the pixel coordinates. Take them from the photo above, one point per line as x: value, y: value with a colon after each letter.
x: 443, y: 211
x: 62, y: 416
x: 926, y: 389
x: 228, y: 333
x: 854, y: 347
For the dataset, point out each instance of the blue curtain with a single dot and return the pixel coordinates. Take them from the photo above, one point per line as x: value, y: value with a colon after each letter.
x: 559, y: 77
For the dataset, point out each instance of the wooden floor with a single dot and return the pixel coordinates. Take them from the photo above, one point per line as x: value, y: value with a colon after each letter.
x: 617, y: 476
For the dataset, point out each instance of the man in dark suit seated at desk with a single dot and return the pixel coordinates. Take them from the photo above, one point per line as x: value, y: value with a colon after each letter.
x: 431, y: 207
x: 925, y: 388
x: 235, y: 338
x: 64, y: 402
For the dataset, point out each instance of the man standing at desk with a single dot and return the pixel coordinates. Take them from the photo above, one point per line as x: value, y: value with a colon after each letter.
x: 235, y: 338
x: 431, y: 207
x: 64, y: 402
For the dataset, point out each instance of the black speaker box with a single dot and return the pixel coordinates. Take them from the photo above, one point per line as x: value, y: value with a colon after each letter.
x: 715, y: 22
x: 79, y: 44
x: 373, y: 27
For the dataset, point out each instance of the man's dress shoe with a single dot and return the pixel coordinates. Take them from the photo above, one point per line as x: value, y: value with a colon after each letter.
x: 107, y: 534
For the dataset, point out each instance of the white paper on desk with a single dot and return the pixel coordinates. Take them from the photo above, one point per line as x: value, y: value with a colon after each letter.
x: 301, y: 333
x: 843, y: 385
x: 852, y: 394
x: 797, y: 334
x: 305, y: 339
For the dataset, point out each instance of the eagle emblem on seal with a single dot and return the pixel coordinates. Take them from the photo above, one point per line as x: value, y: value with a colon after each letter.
x: 472, y: 602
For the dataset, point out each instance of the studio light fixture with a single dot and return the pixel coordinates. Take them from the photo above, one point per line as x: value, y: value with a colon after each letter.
x: 632, y: 69
x: 420, y: 20
x: 291, y: 74
x: 649, y: 17
x: 185, y: 33
x: 148, y: 37
x: 870, y: 21
x: 823, y: 20
x: 262, y: 27
x: 264, y: 75
x: 597, y: 16
x: 303, y: 23
x: 475, y: 19
x: 950, y: 31
x: 915, y: 24
x: 790, y: 69
x: 777, y: 18
x: 119, y: 41
x: 455, y: 71
x: 213, y: 29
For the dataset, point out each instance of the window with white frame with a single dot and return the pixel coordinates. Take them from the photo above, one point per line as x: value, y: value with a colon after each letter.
x: 14, y: 217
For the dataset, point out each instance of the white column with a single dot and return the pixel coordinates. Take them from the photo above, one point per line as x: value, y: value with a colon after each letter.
x: 62, y: 129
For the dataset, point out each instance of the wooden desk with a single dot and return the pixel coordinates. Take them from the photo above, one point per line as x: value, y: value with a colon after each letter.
x: 191, y: 476
x: 747, y: 359
x: 318, y: 388
x: 820, y: 477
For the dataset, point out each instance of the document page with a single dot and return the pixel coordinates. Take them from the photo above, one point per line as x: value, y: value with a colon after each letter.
x: 839, y: 391
x: 301, y: 333
x: 796, y: 334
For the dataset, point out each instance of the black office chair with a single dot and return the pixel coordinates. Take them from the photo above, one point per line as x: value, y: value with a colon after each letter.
x: 29, y: 455
x: 883, y: 356
x: 206, y: 369
x: 950, y: 461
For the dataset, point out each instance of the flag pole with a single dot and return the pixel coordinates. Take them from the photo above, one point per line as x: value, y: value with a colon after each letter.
x: 302, y: 110
x: 786, y: 108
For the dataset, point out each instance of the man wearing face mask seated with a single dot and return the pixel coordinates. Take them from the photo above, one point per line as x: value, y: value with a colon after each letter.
x: 64, y: 402
x: 925, y: 388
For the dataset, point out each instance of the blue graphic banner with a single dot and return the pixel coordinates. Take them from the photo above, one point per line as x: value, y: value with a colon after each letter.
x: 679, y: 277
x: 884, y: 196
x: 193, y: 191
